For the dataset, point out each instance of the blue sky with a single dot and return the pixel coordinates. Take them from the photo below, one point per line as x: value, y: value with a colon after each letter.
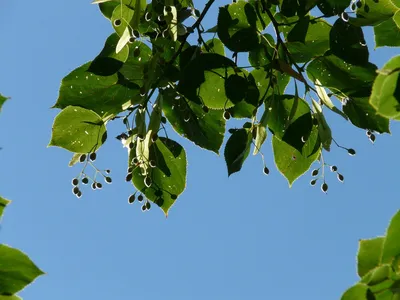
x: 246, y: 237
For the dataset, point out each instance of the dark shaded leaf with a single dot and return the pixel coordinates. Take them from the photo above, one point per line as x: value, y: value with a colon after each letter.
x: 237, y: 149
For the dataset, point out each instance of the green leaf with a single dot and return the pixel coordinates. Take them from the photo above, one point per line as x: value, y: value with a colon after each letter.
x: 237, y: 149
x: 292, y: 163
x: 13, y: 297
x: 369, y: 255
x: 239, y: 25
x: 188, y: 119
x: 352, y: 82
x: 3, y: 100
x: 78, y: 130
x: 121, y: 18
x: 385, y: 96
x: 372, y: 12
x: 387, y: 34
x: 362, y: 114
x: 348, y: 43
x: 379, y: 279
x: 396, y: 18
x: 108, y: 62
x: 137, y: 64
x: 261, y: 56
x: 214, y: 45
x: 261, y: 136
x: 3, y: 203
x: 357, y: 292
x: 333, y: 7
x: 203, y: 80
x: 290, y: 120
x: 105, y: 95
x: 169, y: 175
x: 391, y: 246
x: 316, y: 42
x: 16, y: 270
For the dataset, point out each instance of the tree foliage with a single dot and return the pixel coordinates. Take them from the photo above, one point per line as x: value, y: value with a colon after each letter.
x: 16, y: 268
x: 378, y: 266
x: 277, y: 65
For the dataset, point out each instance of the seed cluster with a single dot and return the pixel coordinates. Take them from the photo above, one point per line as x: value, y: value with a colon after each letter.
x: 84, y: 179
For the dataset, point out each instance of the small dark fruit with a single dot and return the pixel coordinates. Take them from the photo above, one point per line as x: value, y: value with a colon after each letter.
x: 85, y: 180
x: 333, y: 168
x: 93, y: 156
x: 99, y: 185
x: 131, y: 198
x: 314, y: 172
x: 140, y: 198
x: 75, y: 181
x: 351, y: 151
x: 108, y: 179
x: 324, y: 187
x: 266, y: 171
x: 128, y: 177
x: 82, y: 158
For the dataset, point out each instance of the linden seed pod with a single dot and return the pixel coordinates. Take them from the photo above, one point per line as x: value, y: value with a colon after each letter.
x: 108, y: 179
x: 333, y: 168
x: 266, y: 171
x: 340, y: 177
x: 353, y: 7
x: 136, y: 52
x: 117, y: 22
x: 75, y: 181
x: 154, y: 137
x: 345, y: 16
x: 314, y: 172
x: 75, y: 190
x: 93, y: 156
x: 351, y: 151
x: 313, y: 182
x: 130, y: 170
x: 140, y: 198
x: 134, y: 161
x: 368, y: 133
x: 359, y: 4
x: 324, y: 187
x: 131, y: 40
x: 174, y: 197
x: 108, y: 171
x: 85, y: 180
x: 372, y: 138
x: 99, y: 185
x: 82, y: 158
x: 147, y: 181
x: 143, y: 207
x: 205, y: 109
x: 227, y: 115
x: 163, y: 120
x: 128, y: 177
x: 148, y: 16
x: 135, y: 33
x: 140, y: 136
x: 152, y: 163
x: 79, y: 194
x: 148, y: 205
x: 131, y: 198
x: 94, y: 186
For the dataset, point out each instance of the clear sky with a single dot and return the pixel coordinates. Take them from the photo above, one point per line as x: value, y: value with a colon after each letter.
x: 246, y: 237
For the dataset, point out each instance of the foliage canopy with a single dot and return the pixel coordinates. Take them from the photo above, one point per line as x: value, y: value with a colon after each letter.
x: 161, y: 65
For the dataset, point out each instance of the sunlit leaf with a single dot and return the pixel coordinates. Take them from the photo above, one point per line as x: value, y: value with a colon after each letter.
x: 16, y: 271
x: 3, y: 203
x: 369, y: 255
x: 169, y: 175
x: 391, y: 246
x: 292, y: 163
x: 78, y: 130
